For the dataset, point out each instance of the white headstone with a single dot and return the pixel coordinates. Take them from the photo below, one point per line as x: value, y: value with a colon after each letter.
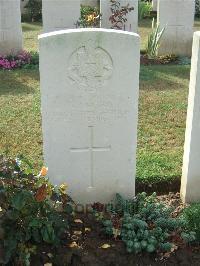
x: 190, y: 183
x: 154, y: 5
x: 178, y: 18
x: 132, y: 17
x: 60, y: 14
x: 89, y: 110
x: 92, y: 3
x: 10, y: 27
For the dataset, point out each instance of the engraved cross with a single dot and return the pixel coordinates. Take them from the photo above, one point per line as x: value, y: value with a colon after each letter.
x: 91, y: 149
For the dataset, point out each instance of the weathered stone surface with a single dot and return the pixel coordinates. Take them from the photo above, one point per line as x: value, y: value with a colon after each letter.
x: 10, y: 27
x: 132, y: 17
x: 190, y: 182
x: 60, y: 14
x: 89, y: 110
x: 93, y: 3
x: 177, y: 17
x: 154, y: 5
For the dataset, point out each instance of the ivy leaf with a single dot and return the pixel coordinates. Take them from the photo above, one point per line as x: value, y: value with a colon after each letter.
x: 48, y: 233
x: 21, y: 199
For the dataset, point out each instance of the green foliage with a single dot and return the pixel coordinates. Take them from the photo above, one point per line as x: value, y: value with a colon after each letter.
x: 154, y: 40
x: 34, y: 61
x: 34, y: 10
x: 144, y: 224
x: 90, y: 17
x: 191, y: 219
x: 144, y: 8
x: 30, y: 213
x: 184, y: 60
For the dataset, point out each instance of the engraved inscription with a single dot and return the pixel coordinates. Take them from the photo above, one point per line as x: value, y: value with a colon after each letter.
x: 91, y: 149
x: 90, y: 66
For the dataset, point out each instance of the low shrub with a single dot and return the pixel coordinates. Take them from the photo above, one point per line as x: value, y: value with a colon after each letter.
x: 143, y: 224
x: 22, y: 59
x: 32, y: 211
x: 191, y: 219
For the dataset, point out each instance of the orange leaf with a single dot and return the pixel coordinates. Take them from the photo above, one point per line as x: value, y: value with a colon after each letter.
x: 43, y: 171
x: 41, y: 193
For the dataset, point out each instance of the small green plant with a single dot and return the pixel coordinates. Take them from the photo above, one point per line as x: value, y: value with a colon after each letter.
x: 154, y: 39
x: 144, y: 9
x: 34, y: 61
x: 142, y: 223
x: 191, y: 218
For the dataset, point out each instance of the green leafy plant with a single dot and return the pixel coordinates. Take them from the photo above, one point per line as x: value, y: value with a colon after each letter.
x: 191, y: 219
x: 144, y: 9
x: 30, y: 210
x: 90, y: 17
x: 34, y: 61
x: 154, y: 39
x: 142, y: 223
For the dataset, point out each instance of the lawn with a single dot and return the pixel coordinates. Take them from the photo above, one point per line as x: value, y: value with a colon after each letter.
x: 162, y: 113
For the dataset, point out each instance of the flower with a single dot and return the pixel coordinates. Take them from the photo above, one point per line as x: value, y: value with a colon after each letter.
x: 63, y: 188
x: 43, y: 171
x: 14, y: 61
x: 91, y: 17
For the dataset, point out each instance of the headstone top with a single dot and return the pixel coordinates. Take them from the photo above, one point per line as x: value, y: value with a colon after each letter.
x: 10, y: 27
x: 68, y: 31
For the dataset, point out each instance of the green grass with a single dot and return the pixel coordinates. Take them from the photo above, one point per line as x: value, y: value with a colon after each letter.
x: 143, y: 30
x: 20, y: 127
x: 162, y: 114
x: 30, y: 34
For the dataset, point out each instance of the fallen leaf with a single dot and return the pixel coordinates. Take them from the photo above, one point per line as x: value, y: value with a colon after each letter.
x: 41, y: 193
x: 48, y: 264
x: 78, y: 221
x: 73, y: 245
x: 87, y: 229
x: 77, y: 232
x: 105, y: 246
x: 43, y: 171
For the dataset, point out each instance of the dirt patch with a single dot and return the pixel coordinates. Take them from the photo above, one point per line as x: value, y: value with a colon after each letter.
x: 160, y: 60
x: 161, y: 187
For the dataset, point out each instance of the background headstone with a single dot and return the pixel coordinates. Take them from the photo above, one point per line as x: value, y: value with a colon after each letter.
x: 10, y: 27
x: 178, y: 18
x: 89, y: 110
x: 60, y: 14
x: 93, y: 3
x: 154, y: 5
x: 190, y: 183
x: 132, y: 17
